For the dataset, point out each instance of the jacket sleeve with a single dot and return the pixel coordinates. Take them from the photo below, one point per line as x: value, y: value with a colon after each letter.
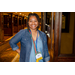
x: 46, y: 55
x: 14, y: 40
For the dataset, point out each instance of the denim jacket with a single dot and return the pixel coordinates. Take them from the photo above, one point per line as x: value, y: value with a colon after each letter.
x: 24, y: 38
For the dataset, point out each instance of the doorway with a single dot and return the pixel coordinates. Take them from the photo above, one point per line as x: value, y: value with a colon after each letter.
x: 47, y: 26
x: 64, y: 34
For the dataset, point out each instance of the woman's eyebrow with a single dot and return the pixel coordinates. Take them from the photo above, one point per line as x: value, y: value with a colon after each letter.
x: 34, y: 19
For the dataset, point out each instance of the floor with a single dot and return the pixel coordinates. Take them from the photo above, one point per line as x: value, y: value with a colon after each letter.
x: 8, y: 55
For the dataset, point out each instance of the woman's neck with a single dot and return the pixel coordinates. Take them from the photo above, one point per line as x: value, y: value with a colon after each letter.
x: 34, y: 34
x: 34, y: 31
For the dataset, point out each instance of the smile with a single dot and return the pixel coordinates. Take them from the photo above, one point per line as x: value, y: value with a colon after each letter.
x: 33, y: 25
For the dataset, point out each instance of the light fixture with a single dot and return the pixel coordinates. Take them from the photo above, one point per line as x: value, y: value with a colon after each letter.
x: 32, y: 12
x: 20, y: 13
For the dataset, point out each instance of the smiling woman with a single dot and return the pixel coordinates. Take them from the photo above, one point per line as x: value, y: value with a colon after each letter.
x: 33, y: 42
x: 33, y: 23
x: 33, y: 17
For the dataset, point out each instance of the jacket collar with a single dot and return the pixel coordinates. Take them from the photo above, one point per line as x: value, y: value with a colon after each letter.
x: 40, y: 33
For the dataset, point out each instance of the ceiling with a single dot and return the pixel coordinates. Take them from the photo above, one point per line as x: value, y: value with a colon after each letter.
x: 24, y: 13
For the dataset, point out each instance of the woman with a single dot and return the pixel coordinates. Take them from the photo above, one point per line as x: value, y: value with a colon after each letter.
x: 33, y: 42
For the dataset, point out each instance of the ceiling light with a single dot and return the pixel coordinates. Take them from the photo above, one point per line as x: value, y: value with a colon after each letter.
x: 20, y: 13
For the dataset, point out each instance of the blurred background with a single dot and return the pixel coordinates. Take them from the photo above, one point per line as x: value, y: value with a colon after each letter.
x: 59, y: 28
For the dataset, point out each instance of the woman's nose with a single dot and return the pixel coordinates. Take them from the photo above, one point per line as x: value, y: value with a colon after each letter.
x: 33, y: 22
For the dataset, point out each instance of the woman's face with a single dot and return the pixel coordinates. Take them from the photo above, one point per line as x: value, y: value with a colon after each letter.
x: 33, y: 22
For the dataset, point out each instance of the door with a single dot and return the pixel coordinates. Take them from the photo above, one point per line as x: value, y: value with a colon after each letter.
x: 64, y: 34
x: 47, y: 19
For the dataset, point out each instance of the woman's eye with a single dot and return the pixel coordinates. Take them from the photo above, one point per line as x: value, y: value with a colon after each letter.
x: 35, y: 21
x: 30, y: 21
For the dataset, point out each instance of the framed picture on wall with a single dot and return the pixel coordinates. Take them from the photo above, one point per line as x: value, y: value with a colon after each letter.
x: 65, y: 22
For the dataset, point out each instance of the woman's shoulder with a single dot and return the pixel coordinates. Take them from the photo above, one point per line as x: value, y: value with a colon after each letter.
x: 41, y: 32
x: 42, y: 35
x: 23, y: 30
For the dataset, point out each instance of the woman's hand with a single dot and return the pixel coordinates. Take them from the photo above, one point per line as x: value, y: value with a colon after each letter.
x: 18, y: 51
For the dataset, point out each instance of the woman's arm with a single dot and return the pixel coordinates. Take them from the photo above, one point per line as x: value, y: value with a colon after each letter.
x: 14, y: 40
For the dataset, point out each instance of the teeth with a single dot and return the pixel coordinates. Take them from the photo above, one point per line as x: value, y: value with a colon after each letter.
x: 33, y: 25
